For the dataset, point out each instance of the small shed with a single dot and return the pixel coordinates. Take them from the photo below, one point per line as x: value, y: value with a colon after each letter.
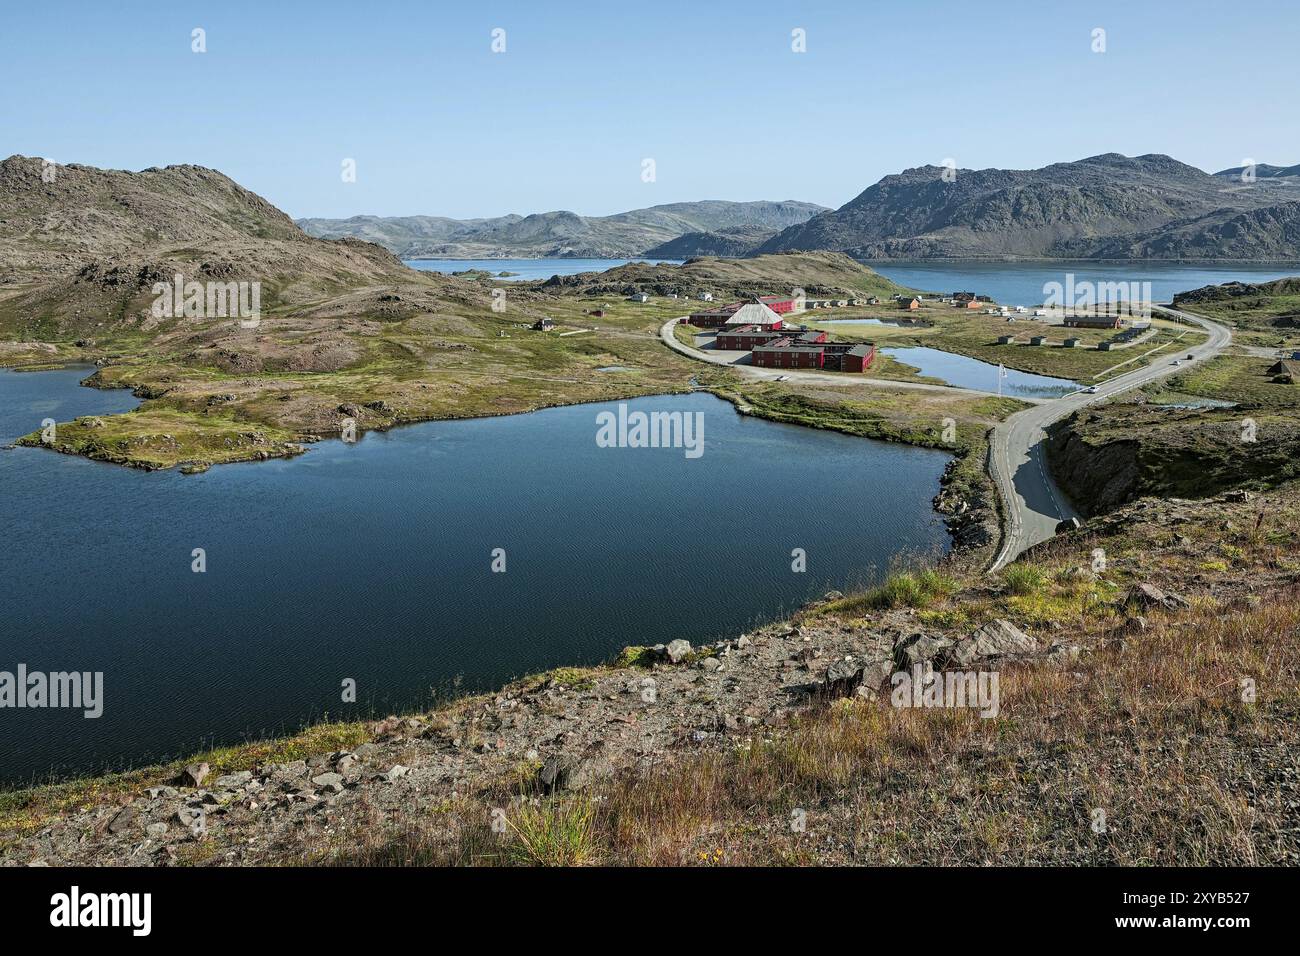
x: 1038, y: 340
x: 1071, y: 343
x: 1006, y: 340
x: 544, y: 324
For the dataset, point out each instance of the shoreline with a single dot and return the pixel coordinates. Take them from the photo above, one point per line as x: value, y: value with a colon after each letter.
x: 936, y: 259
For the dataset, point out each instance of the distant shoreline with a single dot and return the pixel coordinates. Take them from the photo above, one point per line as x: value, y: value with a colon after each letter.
x: 934, y: 259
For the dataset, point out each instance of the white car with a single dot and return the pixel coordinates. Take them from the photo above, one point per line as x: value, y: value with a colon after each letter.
x: 783, y: 378
x: 1090, y: 390
x: 1178, y: 361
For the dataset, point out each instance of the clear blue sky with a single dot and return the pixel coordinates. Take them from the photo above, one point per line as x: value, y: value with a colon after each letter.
x: 440, y: 125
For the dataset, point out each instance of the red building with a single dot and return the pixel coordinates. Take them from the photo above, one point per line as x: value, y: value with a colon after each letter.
x: 712, y: 318
x: 783, y: 353
x: 778, y: 304
x: 745, y: 337
x: 1093, y: 321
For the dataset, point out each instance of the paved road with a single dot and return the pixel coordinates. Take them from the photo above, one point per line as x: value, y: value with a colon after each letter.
x: 822, y: 378
x: 1031, y: 501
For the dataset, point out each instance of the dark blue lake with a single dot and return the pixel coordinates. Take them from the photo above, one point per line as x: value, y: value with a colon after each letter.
x: 373, y: 562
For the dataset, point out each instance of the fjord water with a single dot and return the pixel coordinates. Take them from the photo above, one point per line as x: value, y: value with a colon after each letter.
x: 373, y: 562
x: 525, y: 270
x: 1021, y: 283
x: 1008, y: 282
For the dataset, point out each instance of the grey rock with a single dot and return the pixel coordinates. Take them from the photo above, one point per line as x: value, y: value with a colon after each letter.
x: 677, y: 650
x: 843, y: 678
x: 552, y: 775
x: 194, y: 775
x: 345, y: 764
x: 994, y: 641
x: 396, y: 771
x: 711, y: 664
x: 328, y: 781
x: 157, y: 830
x: 122, y: 820
x: 918, y: 648
x: 233, y: 781
x: 1148, y: 595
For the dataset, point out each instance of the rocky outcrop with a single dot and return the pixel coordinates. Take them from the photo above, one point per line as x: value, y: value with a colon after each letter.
x: 1106, y: 456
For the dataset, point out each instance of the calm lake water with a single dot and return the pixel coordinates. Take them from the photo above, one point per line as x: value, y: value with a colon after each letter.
x: 373, y: 562
x: 1021, y: 283
x: 972, y: 373
x: 528, y: 269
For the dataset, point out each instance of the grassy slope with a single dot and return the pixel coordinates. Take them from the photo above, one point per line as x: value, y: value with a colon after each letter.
x: 1149, y: 726
x: 1237, y: 378
x: 1267, y: 314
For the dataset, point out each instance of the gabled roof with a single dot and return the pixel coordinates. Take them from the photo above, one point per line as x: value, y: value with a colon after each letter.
x: 753, y: 313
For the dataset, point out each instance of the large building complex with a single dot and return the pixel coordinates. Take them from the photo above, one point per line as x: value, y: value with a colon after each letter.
x: 756, y: 328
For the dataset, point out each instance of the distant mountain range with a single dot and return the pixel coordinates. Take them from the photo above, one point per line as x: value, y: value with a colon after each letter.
x: 640, y: 232
x: 1107, y: 206
x: 1103, y: 207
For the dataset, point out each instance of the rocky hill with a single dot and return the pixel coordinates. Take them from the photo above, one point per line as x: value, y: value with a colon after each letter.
x: 730, y: 243
x: 81, y: 248
x: 1107, y: 206
x: 561, y: 234
x: 828, y: 274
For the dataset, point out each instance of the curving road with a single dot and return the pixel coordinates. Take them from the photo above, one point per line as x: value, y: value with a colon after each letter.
x: 1032, y: 504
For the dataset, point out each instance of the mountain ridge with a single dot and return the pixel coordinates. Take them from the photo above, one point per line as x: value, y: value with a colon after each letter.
x: 1104, y: 206
x: 561, y: 233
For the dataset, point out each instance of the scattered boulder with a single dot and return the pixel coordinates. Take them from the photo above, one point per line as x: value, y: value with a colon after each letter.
x: 232, y: 781
x: 843, y: 678
x: 1148, y: 595
x: 328, y: 781
x: 560, y: 773
x: 917, y: 649
x: 677, y: 650
x: 552, y: 775
x: 122, y: 820
x: 194, y: 775
x: 996, y: 640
